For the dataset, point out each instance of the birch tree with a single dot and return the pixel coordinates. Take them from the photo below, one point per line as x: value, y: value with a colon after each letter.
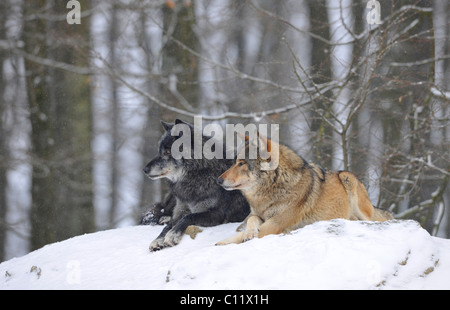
x: 340, y: 16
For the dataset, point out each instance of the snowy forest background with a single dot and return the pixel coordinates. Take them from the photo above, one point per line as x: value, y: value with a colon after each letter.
x: 80, y: 104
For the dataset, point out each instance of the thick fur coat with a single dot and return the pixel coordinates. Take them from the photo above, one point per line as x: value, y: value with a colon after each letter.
x: 294, y: 194
x: 193, y: 182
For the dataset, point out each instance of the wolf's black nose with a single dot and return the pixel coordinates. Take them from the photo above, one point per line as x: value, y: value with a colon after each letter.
x: 146, y: 170
x: 219, y: 181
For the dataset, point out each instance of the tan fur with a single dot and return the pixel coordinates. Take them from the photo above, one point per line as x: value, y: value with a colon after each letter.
x: 296, y: 194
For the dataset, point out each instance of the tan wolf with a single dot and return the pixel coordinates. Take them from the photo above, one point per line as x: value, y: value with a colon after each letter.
x: 294, y: 194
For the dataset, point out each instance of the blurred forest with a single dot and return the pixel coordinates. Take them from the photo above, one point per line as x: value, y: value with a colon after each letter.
x: 81, y: 102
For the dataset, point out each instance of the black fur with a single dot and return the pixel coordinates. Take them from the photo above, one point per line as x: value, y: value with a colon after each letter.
x: 160, y: 213
x: 199, y: 199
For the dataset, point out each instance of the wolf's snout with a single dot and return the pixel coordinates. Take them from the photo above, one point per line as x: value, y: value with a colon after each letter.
x: 219, y: 181
x: 146, y: 169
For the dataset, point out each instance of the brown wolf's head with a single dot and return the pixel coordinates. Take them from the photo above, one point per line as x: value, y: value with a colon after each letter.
x: 246, y: 172
x: 239, y: 176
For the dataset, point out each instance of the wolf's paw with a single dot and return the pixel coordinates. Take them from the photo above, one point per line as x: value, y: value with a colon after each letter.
x: 223, y: 242
x: 249, y: 234
x: 172, y: 238
x: 148, y: 218
x: 153, y: 215
x: 156, y: 245
x: 164, y: 220
x: 192, y: 231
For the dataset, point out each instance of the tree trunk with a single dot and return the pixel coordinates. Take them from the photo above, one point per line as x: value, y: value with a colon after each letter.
x: 115, y: 116
x: 320, y: 73
x: 340, y: 16
x: 42, y: 118
x: 60, y: 116
x: 4, y: 156
x: 179, y: 64
x: 151, y: 42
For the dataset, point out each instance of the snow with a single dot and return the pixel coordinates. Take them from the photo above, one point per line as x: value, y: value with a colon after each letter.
x: 335, y: 254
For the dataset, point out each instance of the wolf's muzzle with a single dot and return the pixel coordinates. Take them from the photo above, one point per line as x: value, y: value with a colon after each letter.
x: 146, y: 169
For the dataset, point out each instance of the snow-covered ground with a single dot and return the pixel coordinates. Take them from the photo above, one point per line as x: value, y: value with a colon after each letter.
x: 335, y: 254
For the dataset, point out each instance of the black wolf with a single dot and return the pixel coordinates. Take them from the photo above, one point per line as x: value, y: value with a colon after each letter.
x: 199, y: 199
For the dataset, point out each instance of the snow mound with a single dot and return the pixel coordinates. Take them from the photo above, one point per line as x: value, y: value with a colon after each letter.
x: 335, y: 254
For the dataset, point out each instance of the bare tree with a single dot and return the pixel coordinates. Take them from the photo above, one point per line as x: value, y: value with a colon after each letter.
x: 4, y: 156
x: 60, y: 121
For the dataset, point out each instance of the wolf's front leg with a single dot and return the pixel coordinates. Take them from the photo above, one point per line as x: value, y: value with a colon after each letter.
x: 173, y: 237
x: 158, y: 243
x: 251, y: 231
x: 170, y: 236
x: 235, y: 239
x: 160, y: 213
x: 205, y: 219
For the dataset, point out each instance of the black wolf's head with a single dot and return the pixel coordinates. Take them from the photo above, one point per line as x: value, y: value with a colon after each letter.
x: 164, y: 165
x: 176, y: 153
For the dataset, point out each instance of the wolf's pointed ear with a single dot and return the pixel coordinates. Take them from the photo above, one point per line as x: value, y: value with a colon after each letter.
x: 167, y: 126
x: 179, y: 121
x: 242, y: 136
x: 264, y: 142
x: 269, y: 151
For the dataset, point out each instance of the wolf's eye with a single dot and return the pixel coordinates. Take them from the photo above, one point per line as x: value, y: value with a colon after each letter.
x: 167, y: 152
x: 241, y: 163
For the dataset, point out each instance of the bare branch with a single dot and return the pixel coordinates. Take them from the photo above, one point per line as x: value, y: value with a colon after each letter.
x: 419, y: 62
x: 46, y: 61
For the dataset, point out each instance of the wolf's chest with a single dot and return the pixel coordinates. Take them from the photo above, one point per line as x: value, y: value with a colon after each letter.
x: 265, y: 210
